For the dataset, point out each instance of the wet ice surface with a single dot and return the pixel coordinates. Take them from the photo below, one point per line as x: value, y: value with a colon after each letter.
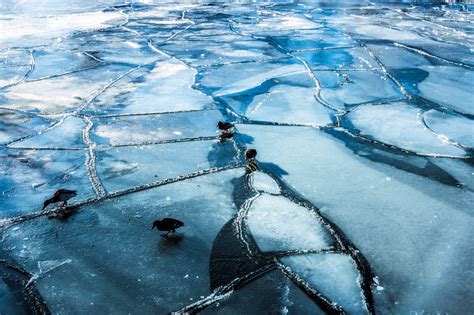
x: 362, y: 117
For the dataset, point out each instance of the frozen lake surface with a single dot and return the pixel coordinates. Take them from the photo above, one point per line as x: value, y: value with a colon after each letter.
x: 362, y: 117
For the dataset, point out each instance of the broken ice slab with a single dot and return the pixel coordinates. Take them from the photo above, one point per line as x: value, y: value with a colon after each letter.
x: 403, y: 31
x: 276, y: 24
x: 357, y: 58
x: 14, y: 58
x: 115, y: 46
x: 276, y: 295
x: 66, y: 134
x: 333, y: 275
x: 13, y: 74
x: 50, y: 62
x: 202, y: 50
x: 46, y: 29
x: 15, y: 125
x: 117, y: 263
x: 30, y: 177
x: 321, y: 38
x: 60, y: 94
x: 278, y: 224
x: 126, y: 167
x: 392, y: 209
x: 162, y: 87
x: 399, y: 124
x: 261, y: 181
x: 246, y: 78
x: 288, y: 99
x: 449, y: 86
x: 453, y: 127
x: 395, y: 57
x: 341, y: 89
x: 153, y: 128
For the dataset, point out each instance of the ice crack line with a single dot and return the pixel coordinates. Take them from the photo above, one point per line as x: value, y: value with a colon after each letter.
x: 91, y: 160
x: 16, y: 220
x: 32, y: 67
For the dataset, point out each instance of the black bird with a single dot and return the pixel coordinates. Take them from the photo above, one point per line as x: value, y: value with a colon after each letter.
x: 62, y: 195
x: 226, y: 135
x: 224, y: 125
x: 167, y: 224
x: 251, y: 166
x: 250, y: 154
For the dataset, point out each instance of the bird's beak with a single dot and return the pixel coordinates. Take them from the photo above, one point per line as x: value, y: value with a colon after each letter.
x: 152, y: 227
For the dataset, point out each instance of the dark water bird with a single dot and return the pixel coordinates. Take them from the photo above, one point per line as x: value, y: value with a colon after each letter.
x: 250, y: 154
x: 226, y: 135
x: 224, y: 125
x: 62, y: 195
x: 167, y: 224
x: 251, y: 166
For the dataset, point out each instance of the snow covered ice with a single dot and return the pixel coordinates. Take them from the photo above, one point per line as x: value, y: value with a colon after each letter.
x: 361, y: 114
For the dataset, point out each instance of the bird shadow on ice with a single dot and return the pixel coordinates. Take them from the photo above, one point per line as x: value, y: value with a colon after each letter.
x: 166, y: 243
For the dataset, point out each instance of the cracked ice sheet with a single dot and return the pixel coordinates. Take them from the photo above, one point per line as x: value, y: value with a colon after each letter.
x: 117, y: 263
x: 349, y: 88
x: 357, y: 58
x: 28, y: 178
x: 414, y: 231
x: 400, y: 124
x: 126, y: 167
x: 114, y: 46
x: 456, y: 128
x: 67, y: 134
x: 51, y: 62
x: 332, y: 275
x: 40, y: 30
x: 245, y: 77
x: 283, y: 95
x: 166, y: 87
x: 449, y: 86
x: 14, y: 125
x: 367, y: 28
x: 276, y: 295
x: 151, y: 128
x: 278, y: 224
x: 60, y: 94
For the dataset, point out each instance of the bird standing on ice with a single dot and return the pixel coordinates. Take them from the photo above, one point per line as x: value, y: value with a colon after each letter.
x: 250, y: 155
x: 225, y: 129
x: 167, y: 224
x: 62, y: 195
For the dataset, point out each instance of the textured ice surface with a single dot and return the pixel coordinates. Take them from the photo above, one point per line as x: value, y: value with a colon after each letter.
x: 166, y: 87
x: 126, y: 167
x: 393, y: 211
x: 30, y: 177
x: 289, y: 99
x: 278, y: 224
x: 333, y: 275
x: 352, y: 88
x: 339, y: 59
x: 361, y: 114
x: 452, y: 127
x: 16, y: 125
x: 142, y: 129
x: 117, y: 263
x: 278, y: 295
x: 400, y: 124
x: 68, y: 133
x: 263, y: 182
x: 450, y: 86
